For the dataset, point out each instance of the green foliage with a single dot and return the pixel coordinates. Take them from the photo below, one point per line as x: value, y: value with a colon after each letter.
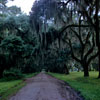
x: 16, y: 25
x: 13, y: 74
x: 23, y: 22
x: 88, y: 87
x: 29, y: 50
x: 55, y: 61
x: 17, y: 42
x: 13, y: 44
x: 20, y: 55
x: 14, y: 10
x: 10, y: 22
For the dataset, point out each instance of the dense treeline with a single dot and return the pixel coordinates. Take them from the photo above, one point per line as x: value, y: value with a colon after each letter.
x: 17, y: 42
x: 58, y: 36
x: 77, y: 30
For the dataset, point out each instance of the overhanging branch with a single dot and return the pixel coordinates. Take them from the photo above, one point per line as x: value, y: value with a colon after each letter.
x: 72, y: 25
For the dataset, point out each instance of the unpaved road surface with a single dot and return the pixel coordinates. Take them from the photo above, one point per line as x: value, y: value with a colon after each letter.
x: 45, y: 87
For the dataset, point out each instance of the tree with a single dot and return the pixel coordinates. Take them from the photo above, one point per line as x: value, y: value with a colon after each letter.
x: 68, y: 16
x: 89, y: 10
x: 11, y: 49
x: 8, y: 10
x: 14, y: 10
x: 86, y: 48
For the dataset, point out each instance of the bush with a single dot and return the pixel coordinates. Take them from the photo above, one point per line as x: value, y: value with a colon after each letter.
x: 13, y: 74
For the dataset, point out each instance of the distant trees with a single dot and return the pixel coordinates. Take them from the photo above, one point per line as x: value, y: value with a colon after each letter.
x: 76, y: 23
x: 17, y: 42
x: 4, y: 10
x: 53, y: 34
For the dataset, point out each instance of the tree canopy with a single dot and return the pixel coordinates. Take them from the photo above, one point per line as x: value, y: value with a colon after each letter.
x: 57, y: 35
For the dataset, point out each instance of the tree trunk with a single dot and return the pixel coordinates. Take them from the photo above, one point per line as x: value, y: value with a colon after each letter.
x: 97, y: 32
x: 86, y: 71
x: 99, y: 61
x: 2, y: 65
x: 78, y: 70
x: 1, y: 73
x: 66, y: 70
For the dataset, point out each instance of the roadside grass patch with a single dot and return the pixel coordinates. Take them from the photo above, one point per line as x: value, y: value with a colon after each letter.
x: 88, y: 86
x: 9, y: 88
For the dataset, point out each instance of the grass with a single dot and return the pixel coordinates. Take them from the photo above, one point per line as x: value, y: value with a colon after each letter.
x: 89, y: 87
x: 8, y: 88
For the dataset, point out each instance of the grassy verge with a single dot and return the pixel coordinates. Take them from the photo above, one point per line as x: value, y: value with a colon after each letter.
x: 89, y: 87
x: 8, y: 88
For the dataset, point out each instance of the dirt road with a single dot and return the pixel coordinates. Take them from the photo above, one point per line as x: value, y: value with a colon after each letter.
x: 45, y: 87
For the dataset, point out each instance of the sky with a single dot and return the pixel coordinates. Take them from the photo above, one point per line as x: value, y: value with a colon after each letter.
x: 25, y: 5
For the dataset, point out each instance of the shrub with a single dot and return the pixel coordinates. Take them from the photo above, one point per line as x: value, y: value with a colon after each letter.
x: 13, y: 74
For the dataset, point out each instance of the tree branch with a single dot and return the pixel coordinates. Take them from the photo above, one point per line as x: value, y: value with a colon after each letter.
x: 92, y: 57
x: 73, y: 56
x: 64, y: 2
x: 91, y: 49
x: 87, y: 38
x: 86, y: 14
x: 78, y: 36
x: 72, y: 25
